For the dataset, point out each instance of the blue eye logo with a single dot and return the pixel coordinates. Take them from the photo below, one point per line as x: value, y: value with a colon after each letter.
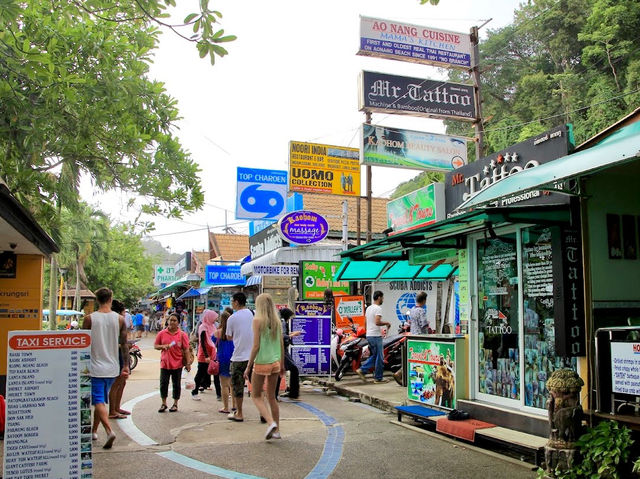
x: 261, y: 194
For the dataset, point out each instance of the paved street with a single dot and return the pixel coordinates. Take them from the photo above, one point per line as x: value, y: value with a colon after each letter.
x: 322, y: 436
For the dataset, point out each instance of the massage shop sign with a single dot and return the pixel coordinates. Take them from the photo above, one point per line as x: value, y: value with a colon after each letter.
x: 431, y: 373
x: 303, y: 227
x: 467, y: 181
x: 48, y: 420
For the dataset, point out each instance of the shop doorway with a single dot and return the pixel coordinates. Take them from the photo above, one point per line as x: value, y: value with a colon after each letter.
x: 514, y: 340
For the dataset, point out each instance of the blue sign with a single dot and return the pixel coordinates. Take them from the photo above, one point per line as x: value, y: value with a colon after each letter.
x: 316, y: 330
x: 261, y: 194
x: 294, y: 203
x: 312, y: 360
x: 224, y: 274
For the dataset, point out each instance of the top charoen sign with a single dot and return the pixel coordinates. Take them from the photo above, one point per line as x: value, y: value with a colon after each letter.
x: 314, y: 168
x: 414, y: 43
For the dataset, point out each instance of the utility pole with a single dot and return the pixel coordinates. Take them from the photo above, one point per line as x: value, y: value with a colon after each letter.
x: 369, y: 201
x: 475, y: 74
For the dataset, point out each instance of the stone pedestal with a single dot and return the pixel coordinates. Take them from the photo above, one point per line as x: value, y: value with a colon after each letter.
x: 565, y: 420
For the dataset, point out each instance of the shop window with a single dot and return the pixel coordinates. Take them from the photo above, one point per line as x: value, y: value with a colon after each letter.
x: 498, y: 317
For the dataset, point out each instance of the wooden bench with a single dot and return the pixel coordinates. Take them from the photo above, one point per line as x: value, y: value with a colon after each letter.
x: 517, y: 440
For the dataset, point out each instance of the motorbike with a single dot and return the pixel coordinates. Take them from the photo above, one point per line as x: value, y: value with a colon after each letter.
x: 134, y: 355
x: 353, y: 351
x: 392, y: 348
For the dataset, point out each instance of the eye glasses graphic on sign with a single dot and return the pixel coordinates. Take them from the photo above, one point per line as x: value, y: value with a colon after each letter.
x: 261, y: 194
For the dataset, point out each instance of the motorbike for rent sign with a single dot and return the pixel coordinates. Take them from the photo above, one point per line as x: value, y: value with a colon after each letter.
x: 349, y: 307
x: 383, y: 93
x: 414, y: 43
x: 48, y: 416
x: 315, y: 168
x: 399, y: 148
x: 318, y: 276
x: 311, y: 350
x: 431, y: 372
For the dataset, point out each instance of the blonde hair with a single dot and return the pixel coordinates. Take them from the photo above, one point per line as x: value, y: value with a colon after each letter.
x: 268, y: 314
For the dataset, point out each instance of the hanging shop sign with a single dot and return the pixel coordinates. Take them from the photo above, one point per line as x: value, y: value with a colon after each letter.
x: 277, y: 270
x: 568, y: 293
x: 311, y: 350
x: 314, y: 168
x: 266, y: 241
x: 467, y: 181
x: 431, y: 372
x: 383, y: 93
x: 418, y: 208
x: 48, y: 416
x: 395, y: 147
x: 261, y: 194
x: 303, y: 227
x: 163, y: 274
x: 414, y: 43
x: 184, y: 265
x: 350, y: 311
x: 318, y: 276
x: 224, y: 275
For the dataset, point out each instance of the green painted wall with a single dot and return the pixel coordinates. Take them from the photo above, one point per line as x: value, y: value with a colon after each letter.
x: 614, y: 191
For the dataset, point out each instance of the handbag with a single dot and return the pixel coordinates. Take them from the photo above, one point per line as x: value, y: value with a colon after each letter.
x: 214, y: 367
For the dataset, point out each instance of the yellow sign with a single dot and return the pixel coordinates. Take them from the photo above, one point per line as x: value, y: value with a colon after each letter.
x: 333, y: 170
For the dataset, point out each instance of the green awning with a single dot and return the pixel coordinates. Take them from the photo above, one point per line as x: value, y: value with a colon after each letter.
x: 186, y: 282
x: 392, y: 271
x: 618, y: 148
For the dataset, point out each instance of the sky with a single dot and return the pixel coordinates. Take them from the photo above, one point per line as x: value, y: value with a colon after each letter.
x: 292, y: 74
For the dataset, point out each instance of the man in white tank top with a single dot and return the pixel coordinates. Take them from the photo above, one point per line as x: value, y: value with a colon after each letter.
x: 108, y: 333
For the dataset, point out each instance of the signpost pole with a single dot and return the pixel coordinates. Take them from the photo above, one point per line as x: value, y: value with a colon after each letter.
x: 368, y: 122
x: 358, y: 228
x: 475, y: 74
x: 345, y: 225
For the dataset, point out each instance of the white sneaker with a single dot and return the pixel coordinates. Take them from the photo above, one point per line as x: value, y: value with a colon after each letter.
x: 196, y: 398
x: 276, y: 435
x: 270, y: 431
x: 94, y: 436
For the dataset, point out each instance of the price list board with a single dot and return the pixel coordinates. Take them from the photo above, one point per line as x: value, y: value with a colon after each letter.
x: 48, y: 420
x: 311, y: 350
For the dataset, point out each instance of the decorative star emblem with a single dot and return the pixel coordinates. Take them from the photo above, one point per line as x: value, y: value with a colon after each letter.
x: 485, y: 170
x: 500, y: 159
x: 493, y: 164
x: 514, y: 157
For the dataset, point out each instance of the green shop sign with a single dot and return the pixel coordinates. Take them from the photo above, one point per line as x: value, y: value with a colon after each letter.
x: 418, y: 208
x: 431, y: 372
x: 318, y: 276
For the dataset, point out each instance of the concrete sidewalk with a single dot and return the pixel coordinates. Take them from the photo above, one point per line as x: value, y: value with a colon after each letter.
x: 382, y: 396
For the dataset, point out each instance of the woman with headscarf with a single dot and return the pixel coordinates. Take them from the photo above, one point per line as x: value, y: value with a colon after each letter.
x: 206, y: 351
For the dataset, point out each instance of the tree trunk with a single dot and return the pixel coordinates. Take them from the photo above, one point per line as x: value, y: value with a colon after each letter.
x: 53, y: 292
x: 76, y: 298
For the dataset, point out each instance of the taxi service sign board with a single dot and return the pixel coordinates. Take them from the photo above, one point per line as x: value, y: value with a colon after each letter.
x: 414, y: 43
x: 48, y: 421
x: 261, y: 194
x: 316, y: 168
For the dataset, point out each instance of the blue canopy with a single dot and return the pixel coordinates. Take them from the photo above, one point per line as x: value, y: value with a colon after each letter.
x: 63, y: 312
x: 194, y: 292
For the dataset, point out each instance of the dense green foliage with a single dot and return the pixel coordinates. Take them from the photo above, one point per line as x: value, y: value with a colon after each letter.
x: 75, y: 99
x: 561, y: 61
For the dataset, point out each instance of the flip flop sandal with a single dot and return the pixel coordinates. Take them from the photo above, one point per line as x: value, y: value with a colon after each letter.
x: 117, y: 416
x: 163, y: 408
x: 223, y: 411
x: 173, y: 408
x: 122, y: 411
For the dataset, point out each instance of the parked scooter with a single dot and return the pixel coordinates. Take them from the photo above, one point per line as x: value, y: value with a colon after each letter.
x: 392, y: 348
x: 134, y: 354
x: 353, y: 352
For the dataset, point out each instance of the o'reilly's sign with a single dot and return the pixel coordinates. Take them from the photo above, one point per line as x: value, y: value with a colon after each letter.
x: 384, y: 93
x: 467, y: 181
x: 265, y: 241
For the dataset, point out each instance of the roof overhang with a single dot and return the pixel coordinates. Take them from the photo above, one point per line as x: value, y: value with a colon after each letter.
x: 620, y: 147
x: 293, y: 255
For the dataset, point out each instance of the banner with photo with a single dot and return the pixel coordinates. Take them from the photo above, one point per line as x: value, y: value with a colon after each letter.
x: 399, y: 148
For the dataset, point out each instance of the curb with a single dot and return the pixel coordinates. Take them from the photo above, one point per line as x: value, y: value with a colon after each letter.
x: 379, y: 403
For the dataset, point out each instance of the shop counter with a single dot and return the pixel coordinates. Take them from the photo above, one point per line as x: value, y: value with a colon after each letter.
x: 436, y: 369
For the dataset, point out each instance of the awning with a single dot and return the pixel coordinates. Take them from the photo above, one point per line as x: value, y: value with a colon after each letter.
x: 393, y: 271
x: 63, y: 312
x: 253, y: 280
x: 620, y: 147
x: 289, y: 255
x: 195, y: 292
x: 182, y: 282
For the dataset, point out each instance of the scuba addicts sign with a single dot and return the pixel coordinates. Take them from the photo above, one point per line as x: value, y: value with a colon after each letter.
x: 465, y: 182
